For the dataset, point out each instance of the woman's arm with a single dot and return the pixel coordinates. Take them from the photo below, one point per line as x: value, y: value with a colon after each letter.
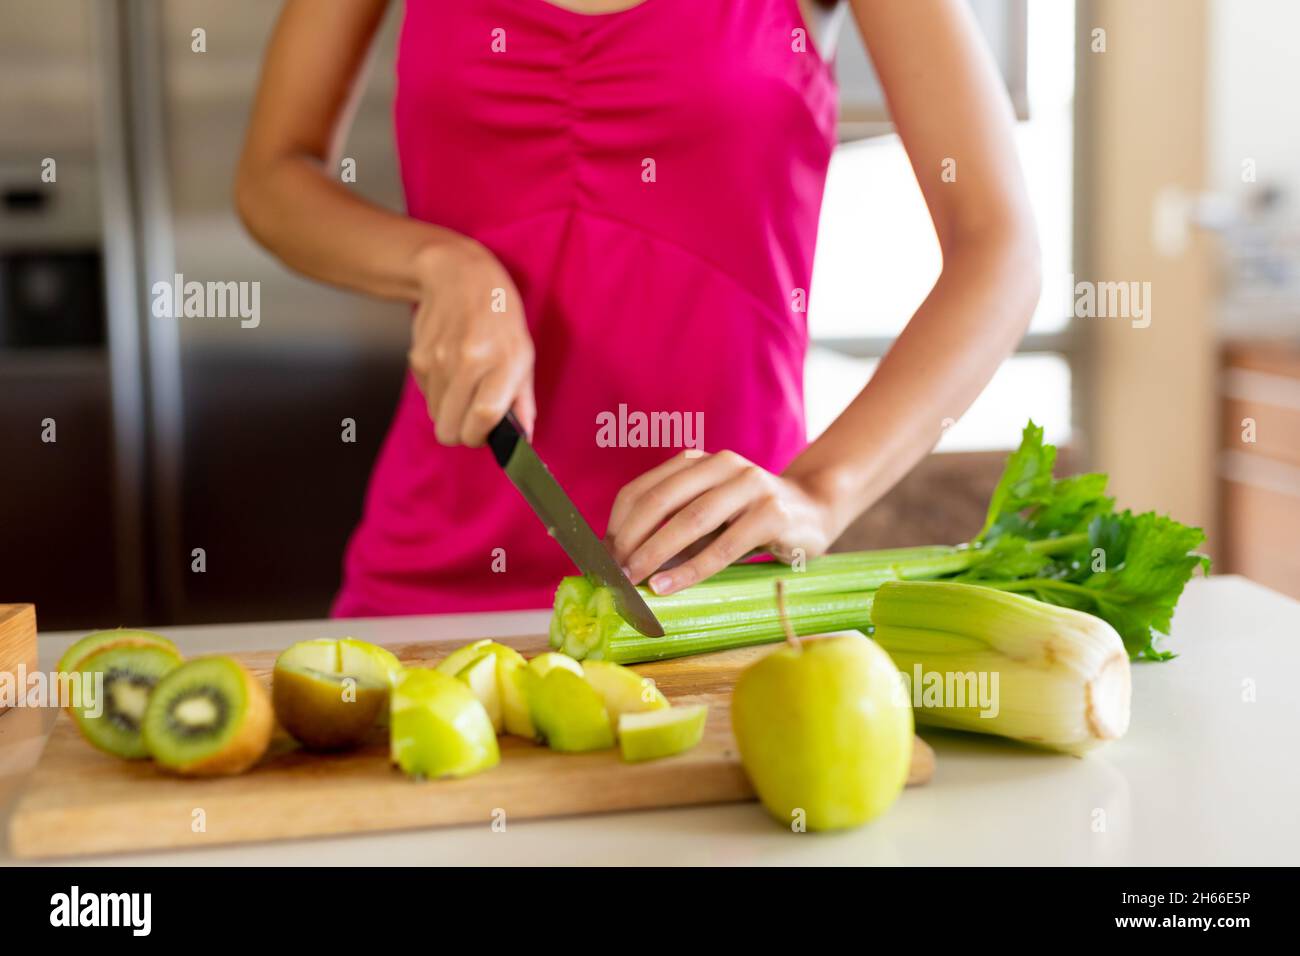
x: 283, y: 191
x: 471, y: 363
x: 947, y: 102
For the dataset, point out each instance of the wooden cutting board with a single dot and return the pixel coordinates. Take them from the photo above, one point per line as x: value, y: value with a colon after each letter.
x: 80, y: 801
x: 17, y: 642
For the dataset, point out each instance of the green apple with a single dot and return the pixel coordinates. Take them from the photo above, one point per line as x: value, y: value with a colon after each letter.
x: 345, y: 655
x: 623, y: 690
x: 455, y: 662
x: 822, y: 729
x: 651, y: 734
x: 515, y: 681
x: 512, y: 686
x: 512, y: 682
x: 362, y: 657
x: 330, y: 694
x: 568, y: 713
x: 481, y: 677
x: 438, y: 727
x: 543, y: 664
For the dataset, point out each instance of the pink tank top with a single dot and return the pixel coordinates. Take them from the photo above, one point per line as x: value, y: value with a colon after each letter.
x: 651, y: 179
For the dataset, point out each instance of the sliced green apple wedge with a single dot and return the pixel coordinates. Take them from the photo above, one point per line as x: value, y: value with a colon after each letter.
x: 457, y: 660
x: 512, y: 679
x: 543, y: 664
x: 569, y: 713
x: 623, y: 690
x: 515, y: 680
x: 438, y: 727
x: 481, y: 676
x: 651, y: 734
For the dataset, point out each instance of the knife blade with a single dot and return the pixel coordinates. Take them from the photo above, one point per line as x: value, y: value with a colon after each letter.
x: 566, y: 524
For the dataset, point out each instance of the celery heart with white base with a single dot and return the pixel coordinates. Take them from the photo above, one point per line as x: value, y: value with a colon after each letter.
x: 663, y: 732
x: 1049, y: 676
x: 824, y: 730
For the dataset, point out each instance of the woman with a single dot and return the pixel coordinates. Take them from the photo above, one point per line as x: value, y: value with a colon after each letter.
x: 613, y: 205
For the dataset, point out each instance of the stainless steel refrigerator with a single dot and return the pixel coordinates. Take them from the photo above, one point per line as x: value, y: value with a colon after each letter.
x: 160, y: 469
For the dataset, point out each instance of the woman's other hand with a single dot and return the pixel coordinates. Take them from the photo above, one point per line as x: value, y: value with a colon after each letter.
x: 470, y: 350
x: 712, y: 510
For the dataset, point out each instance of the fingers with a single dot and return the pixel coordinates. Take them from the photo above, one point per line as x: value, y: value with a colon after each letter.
x: 450, y: 411
x: 494, y: 394
x: 751, y: 531
x: 630, y: 493
x: 699, y: 516
x: 525, y: 404
x: 653, y: 506
x: 424, y: 367
x: 469, y: 387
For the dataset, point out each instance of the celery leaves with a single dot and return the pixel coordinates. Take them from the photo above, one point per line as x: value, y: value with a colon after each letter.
x: 1032, y: 504
x: 1138, y: 567
x: 1061, y: 540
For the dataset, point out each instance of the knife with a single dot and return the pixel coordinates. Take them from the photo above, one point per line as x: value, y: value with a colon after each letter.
x: 565, y: 523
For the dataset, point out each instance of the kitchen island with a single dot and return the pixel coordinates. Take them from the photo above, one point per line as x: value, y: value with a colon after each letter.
x: 1206, y: 775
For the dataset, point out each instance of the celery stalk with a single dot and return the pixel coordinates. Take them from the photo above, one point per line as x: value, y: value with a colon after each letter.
x: 1058, y: 540
x: 737, y: 607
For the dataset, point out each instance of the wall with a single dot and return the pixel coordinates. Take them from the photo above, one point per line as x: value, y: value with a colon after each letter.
x: 1149, y: 405
x: 1254, y: 71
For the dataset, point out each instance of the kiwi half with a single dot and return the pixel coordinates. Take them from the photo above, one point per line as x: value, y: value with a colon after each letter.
x: 71, y: 660
x: 130, y: 672
x: 209, y: 717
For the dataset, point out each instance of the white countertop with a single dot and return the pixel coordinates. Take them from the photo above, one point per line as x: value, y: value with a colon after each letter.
x: 1208, y: 773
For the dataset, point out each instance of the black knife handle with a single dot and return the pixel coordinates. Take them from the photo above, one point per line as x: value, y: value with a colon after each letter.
x: 503, y: 437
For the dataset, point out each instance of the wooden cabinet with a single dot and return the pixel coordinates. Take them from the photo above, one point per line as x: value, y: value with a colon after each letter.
x: 1259, y: 463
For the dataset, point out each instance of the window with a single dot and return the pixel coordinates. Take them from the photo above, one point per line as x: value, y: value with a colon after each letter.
x: 877, y: 258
